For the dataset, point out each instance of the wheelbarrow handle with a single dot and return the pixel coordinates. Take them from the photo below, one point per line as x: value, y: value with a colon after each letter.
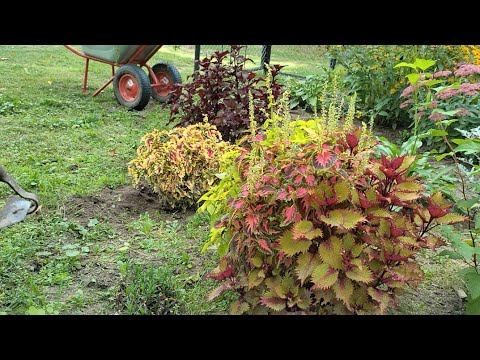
x: 6, y: 178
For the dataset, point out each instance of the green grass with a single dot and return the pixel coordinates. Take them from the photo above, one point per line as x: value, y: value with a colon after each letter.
x: 60, y: 144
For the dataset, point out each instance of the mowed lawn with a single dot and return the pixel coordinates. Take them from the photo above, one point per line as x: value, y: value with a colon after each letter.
x: 66, y: 146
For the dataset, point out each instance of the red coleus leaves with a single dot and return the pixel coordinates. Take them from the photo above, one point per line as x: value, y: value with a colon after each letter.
x: 324, y: 157
x: 352, y: 140
x: 319, y: 232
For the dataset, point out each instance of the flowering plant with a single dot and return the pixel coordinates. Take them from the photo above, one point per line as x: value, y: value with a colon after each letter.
x: 448, y: 96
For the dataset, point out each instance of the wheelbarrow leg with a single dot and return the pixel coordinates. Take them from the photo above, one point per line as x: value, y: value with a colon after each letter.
x: 85, y: 76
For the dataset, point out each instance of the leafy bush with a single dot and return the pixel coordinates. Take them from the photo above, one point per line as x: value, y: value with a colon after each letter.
x: 308, y: 93
x: 449, y: 97
x: 317, y: 225
x: 466, y: 242
x: 370, y: 73
x: 149, y: 291
x: 179, y: 164
x: 220, y: 91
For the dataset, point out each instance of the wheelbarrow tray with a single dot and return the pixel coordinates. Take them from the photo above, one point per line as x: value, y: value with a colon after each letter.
x: 120, y: 54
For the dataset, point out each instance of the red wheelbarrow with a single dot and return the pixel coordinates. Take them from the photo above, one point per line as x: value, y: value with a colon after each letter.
x: 131, y: 86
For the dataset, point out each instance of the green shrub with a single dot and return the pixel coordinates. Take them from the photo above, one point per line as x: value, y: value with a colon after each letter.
x: 308, y: 93
x: 370, y: 73
x: 315, y: 225
x: 179, y: 164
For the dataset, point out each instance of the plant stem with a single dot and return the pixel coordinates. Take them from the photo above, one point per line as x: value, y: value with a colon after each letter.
x: 464, y: 195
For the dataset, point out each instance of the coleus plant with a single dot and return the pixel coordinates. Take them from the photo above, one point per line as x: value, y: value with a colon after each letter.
x: 219, y: 90
x: 317, y: 225
x: 179, y: 164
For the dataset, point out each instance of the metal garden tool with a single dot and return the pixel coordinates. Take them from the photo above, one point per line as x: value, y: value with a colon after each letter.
x: 17, y: 206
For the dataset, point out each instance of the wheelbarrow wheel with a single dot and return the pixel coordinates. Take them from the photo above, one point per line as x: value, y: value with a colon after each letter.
x: 132, y: 87
x: 167, y: 75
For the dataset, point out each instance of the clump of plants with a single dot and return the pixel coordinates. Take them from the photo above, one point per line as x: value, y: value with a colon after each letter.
x: 370, y: 73
x: 147, y: 291
x: 179, y: 164
x: 440, y: 101
x: 220, y: 91
x: 313, y: 224
x: 449, y: 98
x: 310, y: 92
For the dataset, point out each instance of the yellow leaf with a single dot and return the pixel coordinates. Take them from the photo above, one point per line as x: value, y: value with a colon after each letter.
x: 362, y: 274
x: 407, y: 161
x: 324, y: 276
x: 239, y: 307
x: 331, y: 252
x: 451, y: 218
x: 343, y: 218
x: 343, y: 289
x: 255, y: 278
x: 342, y: 190
x: 306, y: 262
x: 409, y: 186
x: 291, y: 247
x: 382, y: 213
x: 406, y: 196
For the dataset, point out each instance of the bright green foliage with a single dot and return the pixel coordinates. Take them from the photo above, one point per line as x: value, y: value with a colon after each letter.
x: 315, y: 225
x: 179, y: 164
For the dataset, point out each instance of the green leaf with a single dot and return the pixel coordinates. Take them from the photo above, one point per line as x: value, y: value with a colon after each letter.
x: 436, y: 133
x: 469, y: 148
x: 442, y: 156
x: 291, y: 247
x: 473, y: 285
x: 92, y: 222
x: 324, y: 276
x: 450, y: 254
x: 306, y: 262
x: 331, y: 252
x: 344, y: 218
x: 467, y: 204
x: 72, y: 253
x: 473, y: 307
x: 413, y: 78
x: 424, y: 64
x: 404, y: 64
x: 477, y: 221
x: 432, y: 82
x: 32, y: 310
